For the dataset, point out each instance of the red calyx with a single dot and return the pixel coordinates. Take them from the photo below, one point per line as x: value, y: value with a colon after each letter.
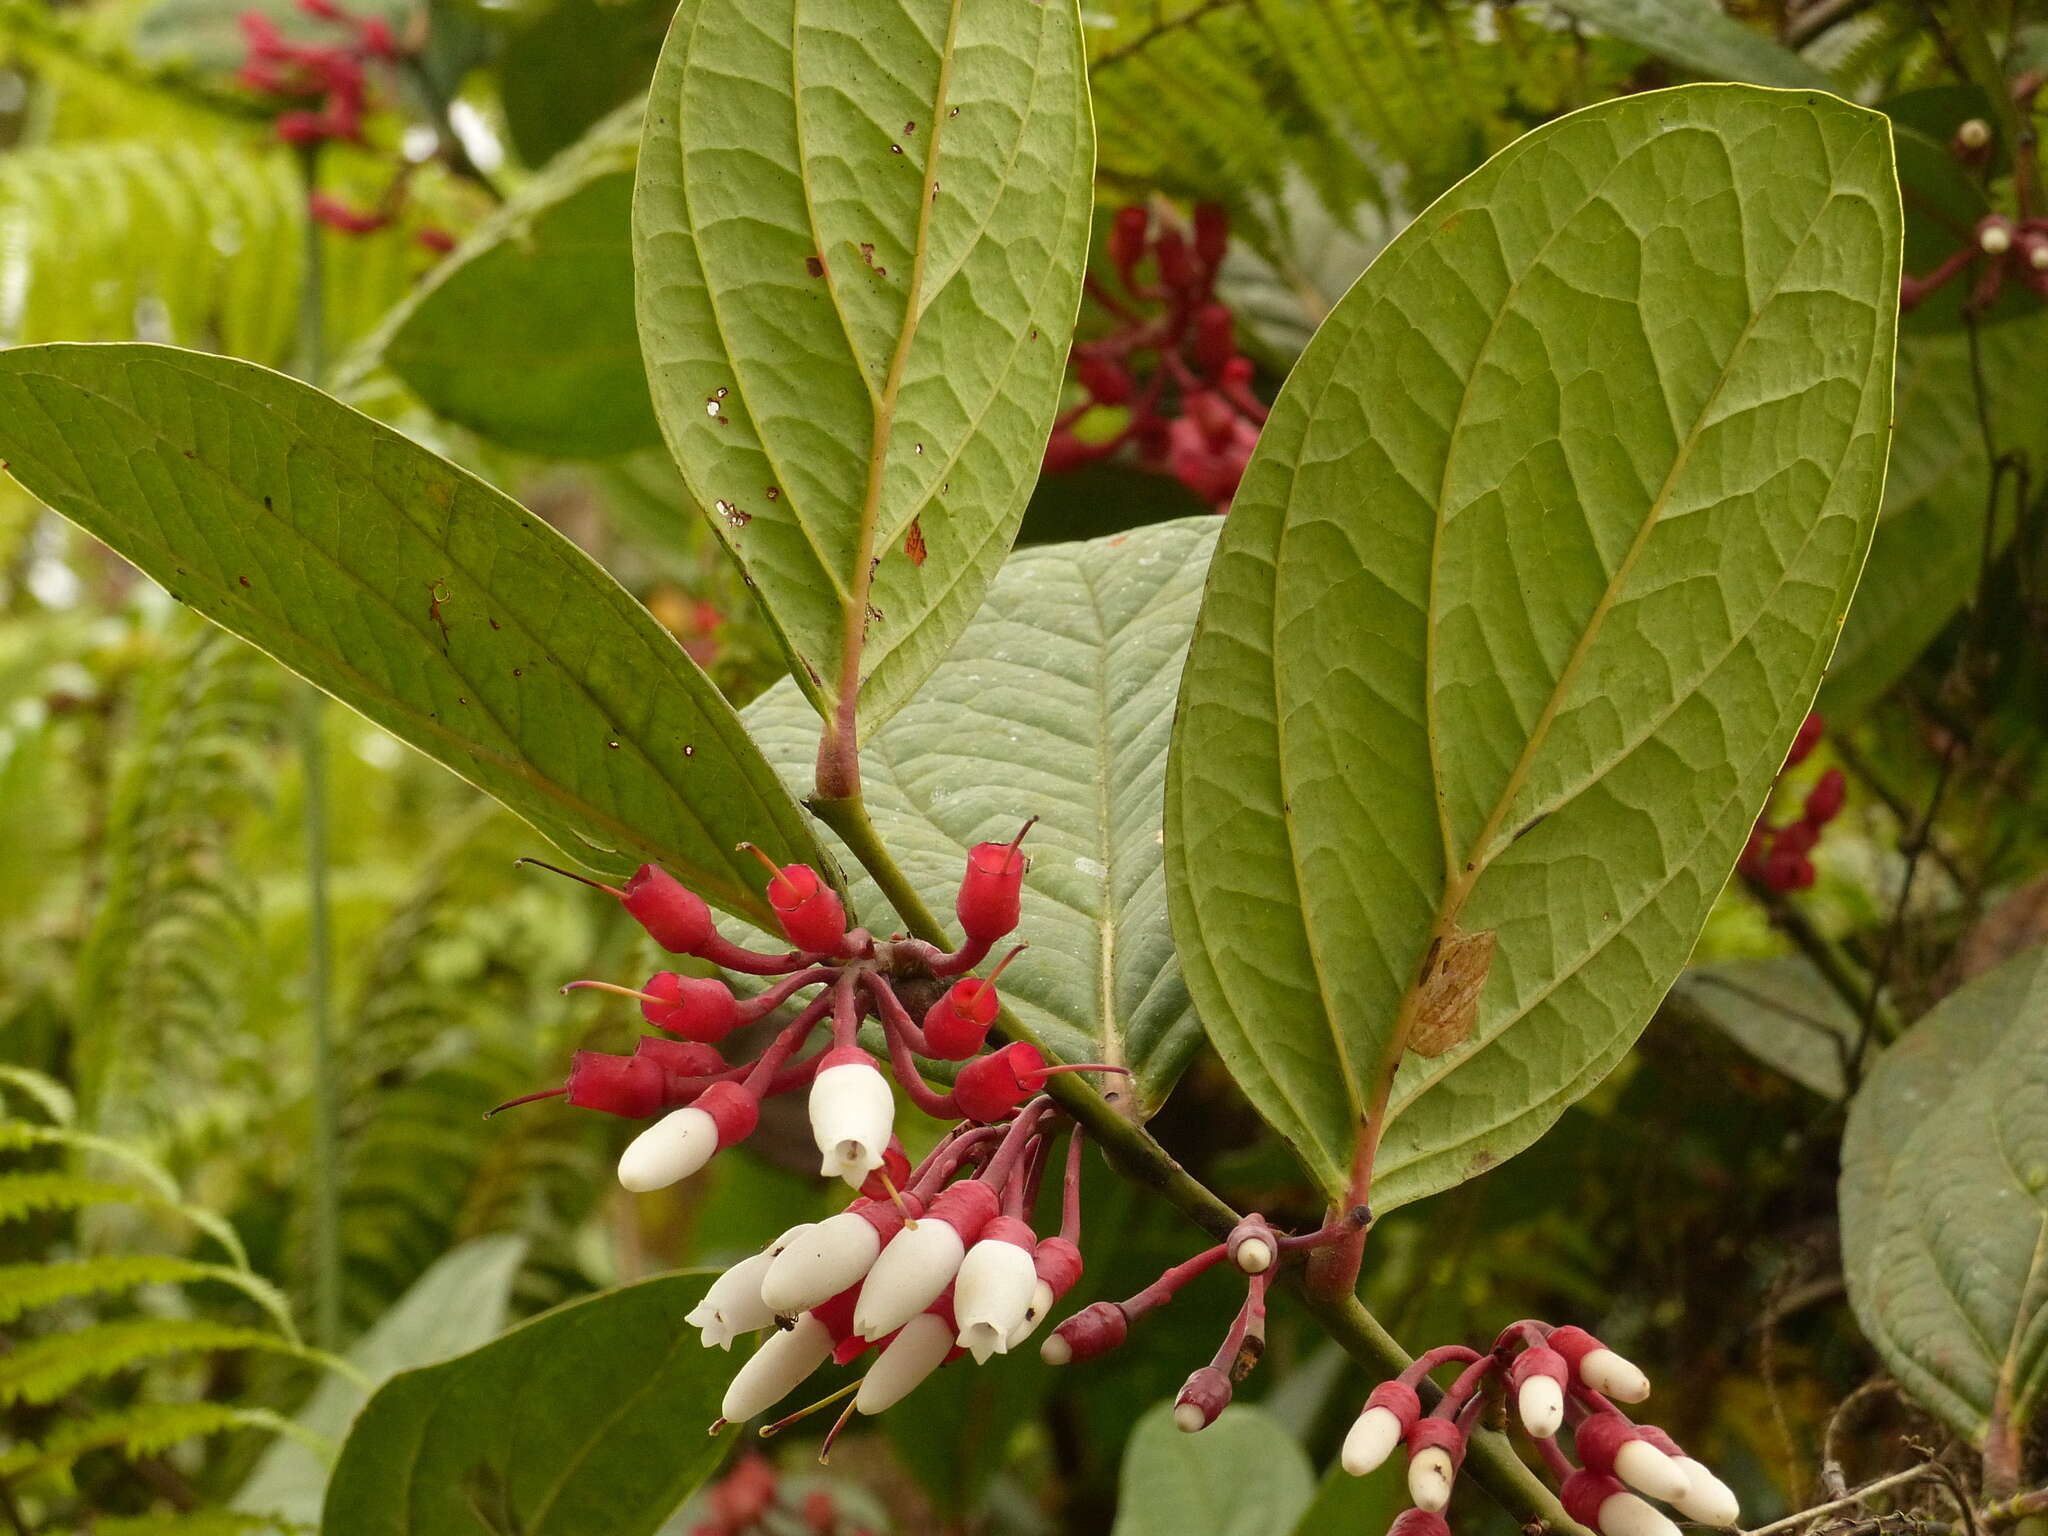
x: 990, y: 1086
x: 1657, y: 1440
x: 1399, y: 1399
x: 732, y: 1109
x: 966, y: 1207
x: 694, y: 1007
x: 957, y: 1025
x: 1215, y: 337
x: 1095, y: 1330
x: 679, y: 1058
x: 886, y: 1216
x: 1176, y: 269
x: 1126, y: 243
x: 1810, y: 731
x: 630, y: 1086
x: 808, y: 909
x: 1207, y: 1391
x: 1212, y: 233
x: 1574, y: 1344
x: 1058, y: 1262
x: 836, y: 1313
x: 894, y: 1170
x: 745, y: 1494
x: 991, y: 898
x: 1433, y: 1433
x: 1599, y: 1437
x: 1104, y: 379
x: 1539, y: 1360
x: 1824, y: 800
x: 1584, y: 1492
x: 1009, y: 1229
x: 674, y: 916
x: 1419, y: 1522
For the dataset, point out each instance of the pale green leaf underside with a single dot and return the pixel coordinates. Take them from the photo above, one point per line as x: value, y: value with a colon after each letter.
x: 1244, y: 1476
x: 526, y: 333
x: 859, y: 231
x: 1701, y: 37
x: 408, y: 589
x: 1529, y: 582
x: 1945, y: 1201
x: 1056, y: 703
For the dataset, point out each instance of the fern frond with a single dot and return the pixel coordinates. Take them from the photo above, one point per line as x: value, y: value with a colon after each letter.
x: 26, y: 1287
x: 51, y: 1096
x: 158, y: 1188
x: 43, y: 1370
x: 33, y: 1194
x: 144, y: 1429
x: 199, y: 1522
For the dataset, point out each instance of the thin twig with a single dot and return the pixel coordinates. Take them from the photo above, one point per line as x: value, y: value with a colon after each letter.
x: 1847, y: 1501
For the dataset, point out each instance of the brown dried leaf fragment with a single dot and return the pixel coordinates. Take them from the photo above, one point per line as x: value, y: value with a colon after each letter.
x: 1448, y: 1005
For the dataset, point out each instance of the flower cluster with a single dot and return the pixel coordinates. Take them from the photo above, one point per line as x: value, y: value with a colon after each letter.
x: 925, y: 1263
x: 1559, y: 1378
x: 1172, y: 363
x: 1778, y: 855
x: 330, y: 83
x: 1255, y: 1250
x: 2001, y: 250
x: 750, y: 1501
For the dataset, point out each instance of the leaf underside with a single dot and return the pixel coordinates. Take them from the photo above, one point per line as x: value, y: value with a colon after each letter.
x: 1057, y: 703
x: 859, y: 229
x: 1530, y: 580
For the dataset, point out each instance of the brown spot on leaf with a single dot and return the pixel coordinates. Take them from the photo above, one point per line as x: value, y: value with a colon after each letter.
x: 243, y: 580
x: 1447, y: 1002
x: 913, y: 543
x: 814, y: 265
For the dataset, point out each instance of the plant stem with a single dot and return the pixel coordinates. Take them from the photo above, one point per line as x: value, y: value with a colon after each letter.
x: 310, y: 355
x: 1980, y: 62
x: 326, y: 1192
x: 1131, y: 1150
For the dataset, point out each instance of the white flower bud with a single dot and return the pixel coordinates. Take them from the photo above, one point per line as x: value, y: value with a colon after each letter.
x: 668, y: 1151
x: 1189, y: 1419
x: 852, y: 1114
x: 2037, y: 256
x: 1041, y: 1304
x: 1055, y: 1350
x: 899, y: 1370
x: 1253, y: 1256
x: 1429, y: 1478
x: 1606, y: 1372
x: 1973, y: 133
x: 908, y: 1277
x: 1541, y: 1405
x: 1623, y: 1514
x: 1371, y: 1441
x: 777, y: 1368
x: 1642, y: 1466
x: 991, y: 1295
x: 733, y: 1305
x: 1706, y: 1499
x: 819, y: 1262
x: 1994, y: 239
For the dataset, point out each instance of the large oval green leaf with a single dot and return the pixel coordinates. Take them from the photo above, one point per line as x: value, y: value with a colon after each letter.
x: 589, y: 1418
x: 1945, y: 1202
x: 411, y: 591
x: 1528, y: 585
x: 525, y: 334
x: 1245, y: 1476
x: 859, y: 230
x: 1057, y: 703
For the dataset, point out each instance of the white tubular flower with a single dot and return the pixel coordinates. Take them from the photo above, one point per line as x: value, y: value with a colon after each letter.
x: 1041, y: 1304
x: 1624, y: 1514
x: 1607, y: 1373
x: 1430, y: 1474
x: 852, y: 1114
x: 1641, y: 1465
x: 912, y: 1355
x: 1540, y: 1402
x: 992, y: 1295
x: 1706, y: 1498
x: 777, y: 1368
x: 733, y: 1304
x: 1371, y: 1441
x: 819, y: 1262
x: 917, y: 1265
x: 668, y: 1151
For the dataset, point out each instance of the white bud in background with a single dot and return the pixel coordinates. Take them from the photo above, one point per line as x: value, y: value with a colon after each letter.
x: 1371, y: 1441
x: 777, y: 1368
x: 912, y: 1355
x: 1623, y: 1514
x: 1706, y: 1499
x: 2037, y: 256
x: 917, y: 1265
x: 1430, y: 1474
x: 852, y: 1114
x: 820, y: 1261
x: 1541, y: 1406
x: 1974, y: 133
x: 668, y: 1151
x: 1994, y: 239
x: 991, y: 1295
x: 1606, y: 1372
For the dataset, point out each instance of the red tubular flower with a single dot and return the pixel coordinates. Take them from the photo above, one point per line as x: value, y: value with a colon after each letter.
x: 1091, y: 1332
x: 628, y: 1086
x: 808, y: 909
x: 694, y: 1007
x: 991, y: 899
x: 990, y: 1086
x: 1204, y: 1395
x: 675, y: 917
x: 1126, y: 243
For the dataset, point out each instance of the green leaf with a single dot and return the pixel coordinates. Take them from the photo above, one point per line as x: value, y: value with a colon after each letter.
x: 860, y: 238
x: 456, y: 1306
x: 1780, y: 1010
x: 1930, y: 541
x: 589, y: 1418
x: 559, y: 73
x: 411, y: 591
x: 525, y: 334
x: 1699, y: 36
x: 1529, y: 583
x: 1945, y: 1202
x: 1057, y: 703
x: 1242, y: 1476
